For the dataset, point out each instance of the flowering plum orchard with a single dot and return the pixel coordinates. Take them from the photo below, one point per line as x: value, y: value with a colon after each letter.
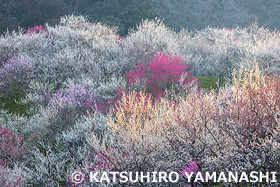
x: 95, y: 101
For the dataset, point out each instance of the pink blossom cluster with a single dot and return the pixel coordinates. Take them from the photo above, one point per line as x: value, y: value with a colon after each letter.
x: 160, y: 74
x: 11, y: 149
x: 191, y: 167
x: 36, y: 29
x: 103, y: 104
x: 11, y: 146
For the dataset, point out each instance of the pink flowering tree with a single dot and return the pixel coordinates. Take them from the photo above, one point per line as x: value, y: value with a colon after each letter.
x: 191, y: 169
x: 37, y: 29
x: 160, y: 74
x: 11, y: 147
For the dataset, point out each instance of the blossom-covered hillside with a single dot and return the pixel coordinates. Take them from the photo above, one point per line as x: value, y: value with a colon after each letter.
x: 95, y: 101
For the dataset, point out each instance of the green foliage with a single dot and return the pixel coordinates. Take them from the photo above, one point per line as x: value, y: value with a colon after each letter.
x: 121, y: 13
x: 13, y: 107
x: 188, y: 14
x: 209, y: 82
x: 14, y: 13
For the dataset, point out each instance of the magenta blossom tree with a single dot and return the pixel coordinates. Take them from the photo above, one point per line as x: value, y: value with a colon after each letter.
x: 11, y: 147
x: 160, y: 74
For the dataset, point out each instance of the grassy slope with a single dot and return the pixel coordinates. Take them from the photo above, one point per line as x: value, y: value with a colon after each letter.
x: 209, y: 82
x: 13, y: 107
